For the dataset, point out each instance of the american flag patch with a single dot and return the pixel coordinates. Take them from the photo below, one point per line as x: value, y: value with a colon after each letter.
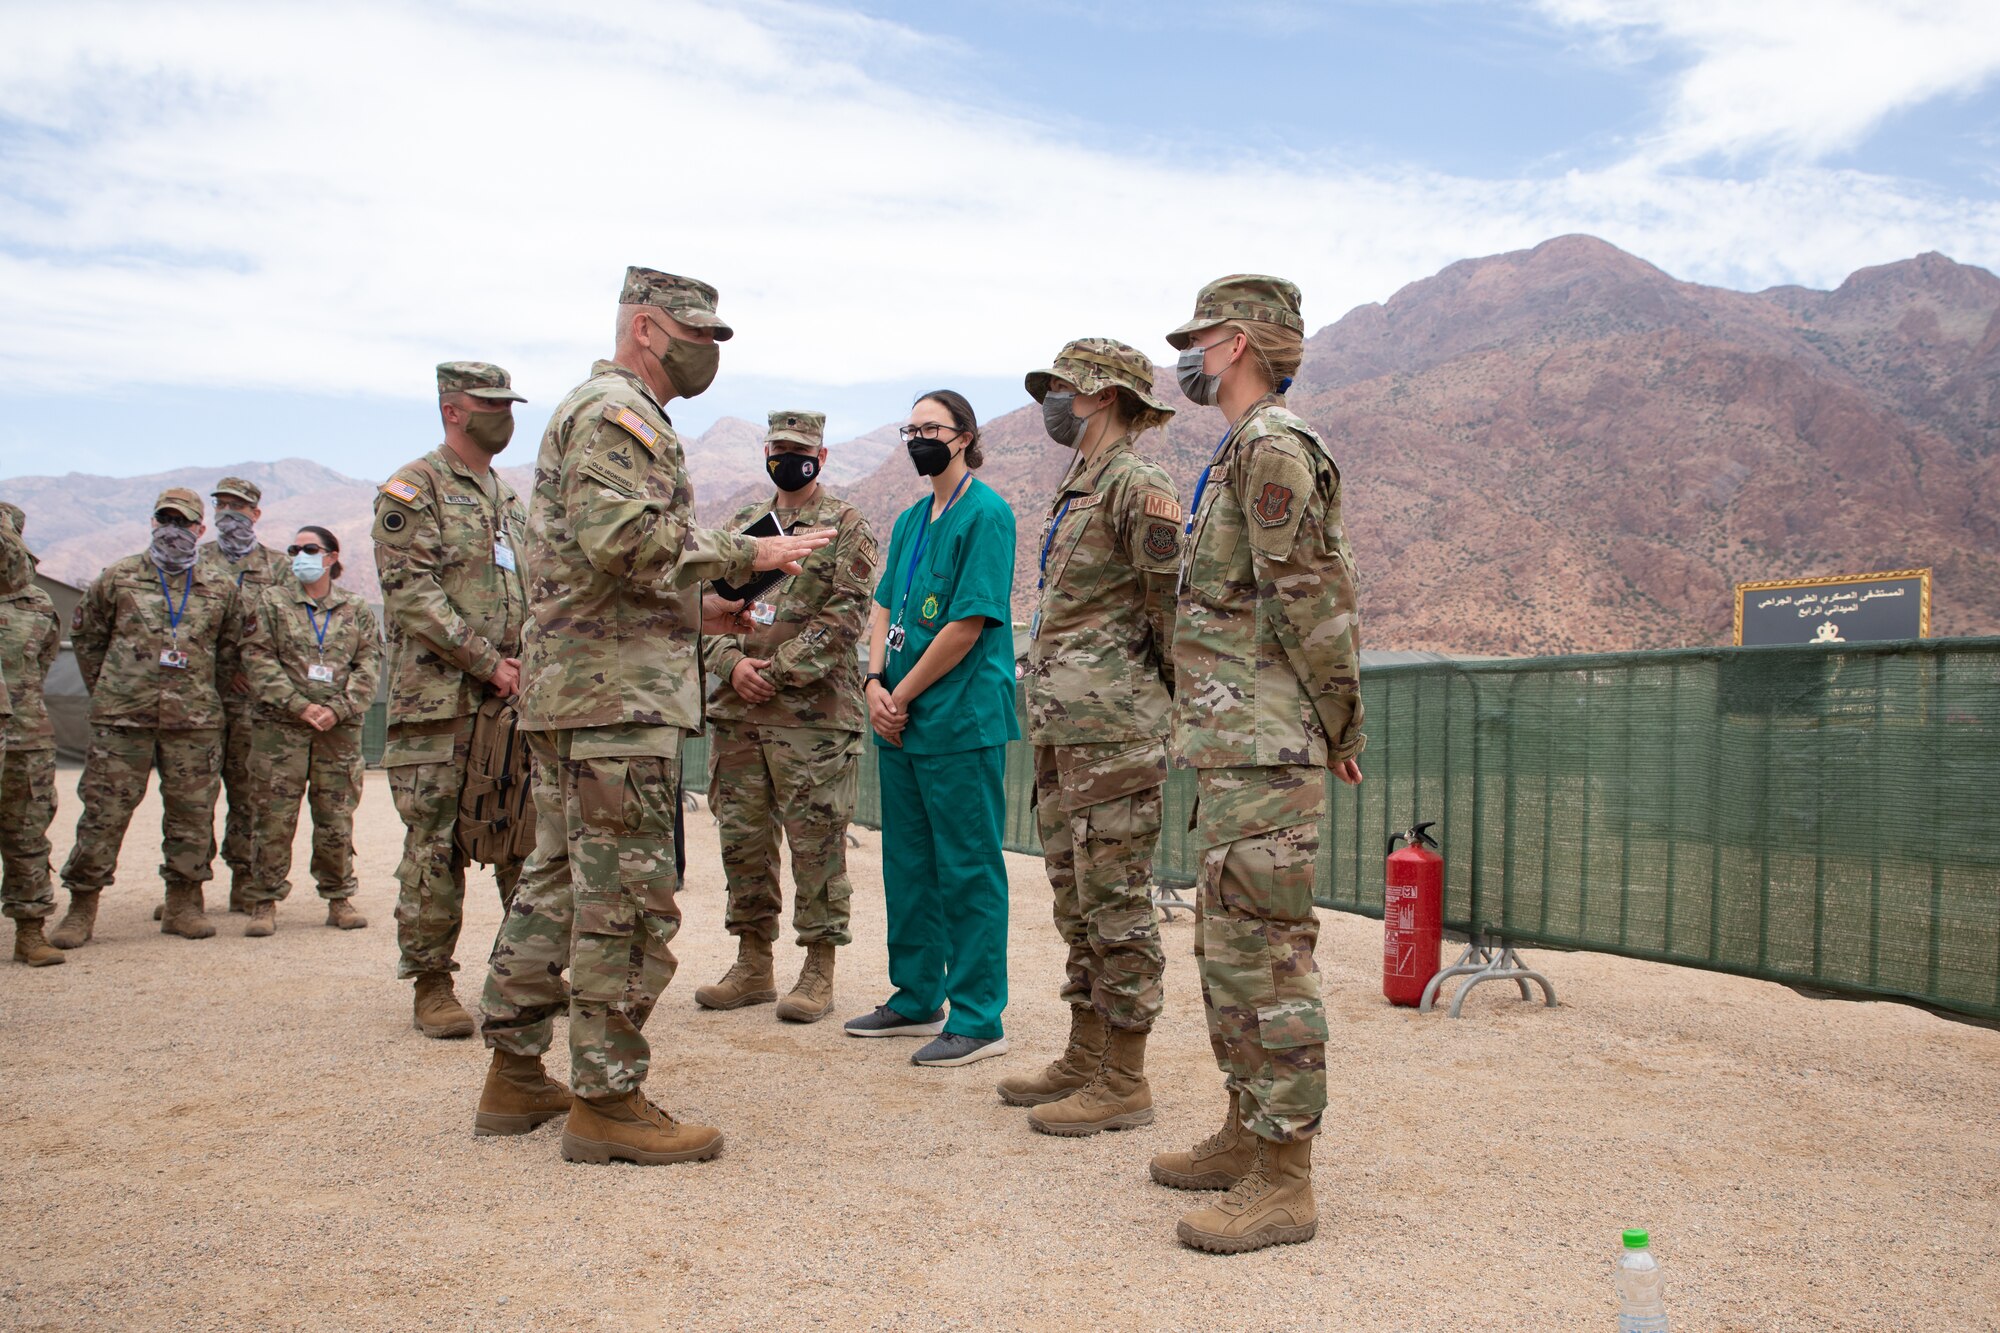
x: 1159, y: 506
x: 636, y: 424
x: 402, y: 490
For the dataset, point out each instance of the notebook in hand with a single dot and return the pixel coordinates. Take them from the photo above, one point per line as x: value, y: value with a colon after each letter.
x: 757, y: 584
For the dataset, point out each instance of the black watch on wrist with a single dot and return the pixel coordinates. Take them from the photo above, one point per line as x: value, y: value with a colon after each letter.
x: 873, y: 675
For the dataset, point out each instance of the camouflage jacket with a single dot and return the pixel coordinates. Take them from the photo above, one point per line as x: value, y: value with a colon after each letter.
x: 820, y: 613
x: 283, y: 646
x: 453, y: 609
x: 1269, y: 626
x: 615, y: 562
x: 1100, y: 664
x: 17, y: 572
x: 257, y: 570
x: 123, y: 625
x: 30, y: 636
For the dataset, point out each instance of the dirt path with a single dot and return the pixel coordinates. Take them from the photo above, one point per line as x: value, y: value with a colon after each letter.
x: 239, y: 1133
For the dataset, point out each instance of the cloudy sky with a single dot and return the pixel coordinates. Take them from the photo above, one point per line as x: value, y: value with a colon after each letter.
x: 249, y: 231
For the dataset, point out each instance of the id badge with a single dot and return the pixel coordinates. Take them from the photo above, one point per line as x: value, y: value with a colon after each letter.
x: 503, y: 556
x: 895, y: 639
x: 319, y: 671
x: 763, y: 612
x: 174, y: 658
x: 1035, y: 625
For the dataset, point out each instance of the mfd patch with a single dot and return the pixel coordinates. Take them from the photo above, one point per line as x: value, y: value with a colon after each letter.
x: 1162, y: 540
x: 398, y: 489
x: 1159, y: 506
x: 1274, y: 504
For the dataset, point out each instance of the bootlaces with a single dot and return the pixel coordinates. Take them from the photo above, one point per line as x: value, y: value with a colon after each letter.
x: 1255, y: 1182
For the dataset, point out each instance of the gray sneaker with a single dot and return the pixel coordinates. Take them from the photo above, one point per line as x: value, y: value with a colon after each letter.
x: 952, y: 1049
x: 886, y: 1022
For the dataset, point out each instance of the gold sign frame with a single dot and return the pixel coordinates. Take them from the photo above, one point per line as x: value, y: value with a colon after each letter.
x: 1923, y: 576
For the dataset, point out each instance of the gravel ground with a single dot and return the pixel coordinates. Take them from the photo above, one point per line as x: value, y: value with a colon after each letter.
x: 238, y: 1133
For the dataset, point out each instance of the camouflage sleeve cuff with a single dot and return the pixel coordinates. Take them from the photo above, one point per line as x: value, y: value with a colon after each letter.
x: 481, y: 658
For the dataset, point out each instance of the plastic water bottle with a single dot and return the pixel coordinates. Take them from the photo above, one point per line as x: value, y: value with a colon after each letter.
x: 1640, y: 1307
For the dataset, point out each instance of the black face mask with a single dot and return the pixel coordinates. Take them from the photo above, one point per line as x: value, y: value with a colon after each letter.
x: 792, y: 472
x: 931, y: 457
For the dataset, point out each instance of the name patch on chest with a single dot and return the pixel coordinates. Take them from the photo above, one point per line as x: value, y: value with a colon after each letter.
x: 460, y: 500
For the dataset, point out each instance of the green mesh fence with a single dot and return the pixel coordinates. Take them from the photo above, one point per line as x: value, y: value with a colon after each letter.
x: 1804, y: 815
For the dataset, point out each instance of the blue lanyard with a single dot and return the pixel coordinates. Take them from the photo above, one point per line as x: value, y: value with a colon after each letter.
x: 917, y: 550
x: 319, y: 627
x: 1050, y: 541
x: 174, y: 613
x: 1202, y: 484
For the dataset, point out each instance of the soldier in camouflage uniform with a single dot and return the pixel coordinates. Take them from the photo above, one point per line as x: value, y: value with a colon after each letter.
x: 612, y: 684
x: 1267, y: 646
x: 785, y: 726
x: 313, y: 661
x: 448, y: 532
x: 237, y: 554
x: 1099, y: 685
x: 30, y: 637
x: 155, y: 635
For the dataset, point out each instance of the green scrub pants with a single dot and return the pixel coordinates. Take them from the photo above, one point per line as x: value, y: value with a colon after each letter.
x: 943, y: 816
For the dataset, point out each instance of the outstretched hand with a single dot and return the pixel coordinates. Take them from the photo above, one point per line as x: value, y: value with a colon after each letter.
x: 785, y: 552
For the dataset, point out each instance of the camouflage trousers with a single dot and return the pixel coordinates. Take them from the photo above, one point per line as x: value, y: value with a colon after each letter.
x: 27, y: 808
x: 115, y: 771
x: 289, y: 763
x: 598, y: 896
x: 803, y: 781
x: 430, y: 907
x: 1254, y: 937
x: 239, y: 826
x: 1098, y: 810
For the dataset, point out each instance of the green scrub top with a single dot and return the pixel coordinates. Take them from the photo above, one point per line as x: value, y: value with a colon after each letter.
x: 965, y: 569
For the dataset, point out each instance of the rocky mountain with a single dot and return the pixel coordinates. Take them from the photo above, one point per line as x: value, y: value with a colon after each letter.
x: 1554, y: 450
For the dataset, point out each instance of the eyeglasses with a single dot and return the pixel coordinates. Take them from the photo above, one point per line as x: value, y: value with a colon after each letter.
x: 310, y: 548
x: 928, y: 432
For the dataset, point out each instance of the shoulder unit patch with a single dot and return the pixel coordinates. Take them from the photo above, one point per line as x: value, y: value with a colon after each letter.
x: 1274, y: 504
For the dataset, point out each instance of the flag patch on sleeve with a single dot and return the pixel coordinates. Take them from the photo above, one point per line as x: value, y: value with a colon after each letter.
x: 636, y: 426
x: 398, y: 489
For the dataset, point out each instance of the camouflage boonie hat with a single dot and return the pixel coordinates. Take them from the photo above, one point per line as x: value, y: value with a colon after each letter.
x: 15, y: 515
x: 179, y: 500
x: 480, y: 379
x: 791, y: 427
x: 1252, y: 297
x: 687, y: 300
x: 238, y: 489
x: 1092, y: 364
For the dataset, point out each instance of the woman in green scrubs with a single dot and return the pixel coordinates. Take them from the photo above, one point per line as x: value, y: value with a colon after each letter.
x: 940, y: 690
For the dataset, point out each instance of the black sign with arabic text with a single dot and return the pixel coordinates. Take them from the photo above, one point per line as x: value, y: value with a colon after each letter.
x: 1846, y: 608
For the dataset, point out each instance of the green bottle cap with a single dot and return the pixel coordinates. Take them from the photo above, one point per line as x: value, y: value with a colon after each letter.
x: 1636, y: 1240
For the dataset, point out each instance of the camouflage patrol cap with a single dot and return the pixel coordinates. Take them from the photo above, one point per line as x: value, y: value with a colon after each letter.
x: 690, y: 301
x: 1092, y: 364
x: 180, y: 500
x: 794, y: 427
x: 238, y: 489
x: 15, y: 515
x: 480, y: 379
x: 1251, y: 297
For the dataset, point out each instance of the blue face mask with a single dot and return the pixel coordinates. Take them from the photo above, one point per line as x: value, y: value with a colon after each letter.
x: 307, y: 568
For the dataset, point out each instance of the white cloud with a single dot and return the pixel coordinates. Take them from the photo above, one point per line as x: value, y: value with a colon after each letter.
x: 336, y: 197
x: 1802, y: 78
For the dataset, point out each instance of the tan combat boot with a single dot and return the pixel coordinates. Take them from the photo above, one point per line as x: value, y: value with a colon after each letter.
x: 263, y: 919
x: 182, y: 915
x: 518, y: 1095
x: 1271, y: 1205
x: 1117, y: 1098
x: 436, y: 1011
x: 628, y: 1128
x: 31, y: 948
x: 811, y: 997
x: 340, y: 914
x: 1076, y: 1066
x: 1216, y: 1163
x: 73, y: 932
x: 239, y: 890
x: 749, y: 979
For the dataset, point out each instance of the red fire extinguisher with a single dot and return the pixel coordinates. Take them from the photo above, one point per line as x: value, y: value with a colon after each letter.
x: 1412, y: 916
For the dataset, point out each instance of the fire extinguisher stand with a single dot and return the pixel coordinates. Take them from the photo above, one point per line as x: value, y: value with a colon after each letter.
x: 1486, y: 961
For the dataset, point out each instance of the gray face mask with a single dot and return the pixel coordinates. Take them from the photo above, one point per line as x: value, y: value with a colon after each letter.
x: 234, y: 533
x: 1060, y: 420
x: 1200, y: 386
x: 173, y: 548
